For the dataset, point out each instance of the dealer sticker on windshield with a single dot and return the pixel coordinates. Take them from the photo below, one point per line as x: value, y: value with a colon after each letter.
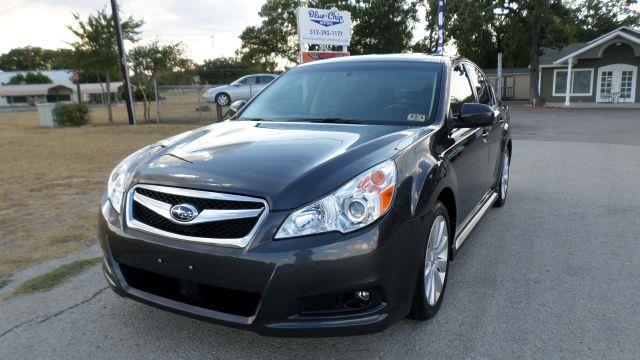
x: 416, y: 117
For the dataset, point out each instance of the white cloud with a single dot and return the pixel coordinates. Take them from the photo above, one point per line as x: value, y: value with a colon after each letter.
x: 43, y: 23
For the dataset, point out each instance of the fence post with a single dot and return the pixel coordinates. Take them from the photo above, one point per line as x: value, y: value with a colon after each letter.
x: 155, y: 89
x: 218, y: 111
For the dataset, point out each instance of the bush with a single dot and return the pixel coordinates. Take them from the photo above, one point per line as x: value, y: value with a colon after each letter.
x: 72, y: 114
x: 140, y: 93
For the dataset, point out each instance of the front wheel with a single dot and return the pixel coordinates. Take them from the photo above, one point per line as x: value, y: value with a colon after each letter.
x: 432, y: 279
x: 223, y: 99
x: 503, y: 186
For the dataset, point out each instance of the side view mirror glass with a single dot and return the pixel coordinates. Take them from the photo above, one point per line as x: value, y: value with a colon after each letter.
x: 236, y: 106
x: 473, y: 115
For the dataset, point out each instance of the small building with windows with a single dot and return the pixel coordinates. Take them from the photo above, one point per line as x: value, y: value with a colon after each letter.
x: 62, y: 88
x: 29, y: 95
x: 603, y: 70
x: 515, y: 82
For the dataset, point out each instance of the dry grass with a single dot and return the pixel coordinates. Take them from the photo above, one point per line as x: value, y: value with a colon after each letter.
x: 51, y: 181
x: 48, y: 281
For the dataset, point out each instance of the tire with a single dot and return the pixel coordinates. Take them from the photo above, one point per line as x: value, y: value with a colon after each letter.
x: 223, y: 99
x: 503, y: 185
x: 424, y: 307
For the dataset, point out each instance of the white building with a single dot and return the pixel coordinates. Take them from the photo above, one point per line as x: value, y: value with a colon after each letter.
x: 62, y: 88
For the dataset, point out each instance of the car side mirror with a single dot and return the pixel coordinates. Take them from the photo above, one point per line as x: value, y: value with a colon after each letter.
x: 236, y: 106
x: 473, y: 115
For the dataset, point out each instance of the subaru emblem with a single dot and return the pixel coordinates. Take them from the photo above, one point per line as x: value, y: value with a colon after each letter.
x: 184, y: 212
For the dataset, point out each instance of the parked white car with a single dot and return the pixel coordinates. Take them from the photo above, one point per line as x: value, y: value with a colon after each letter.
x: 242, y: 89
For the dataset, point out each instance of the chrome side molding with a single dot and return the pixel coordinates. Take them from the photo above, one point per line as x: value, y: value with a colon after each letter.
x: 461, y: 236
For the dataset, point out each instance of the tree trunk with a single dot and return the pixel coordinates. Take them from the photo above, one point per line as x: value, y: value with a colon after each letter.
x: 534, y: 53
x: 108, y: 85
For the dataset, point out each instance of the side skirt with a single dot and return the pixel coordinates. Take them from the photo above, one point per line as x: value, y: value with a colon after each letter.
x: 466, y: 228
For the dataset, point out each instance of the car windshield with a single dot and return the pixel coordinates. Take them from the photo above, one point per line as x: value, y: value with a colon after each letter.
x: 359, y: 92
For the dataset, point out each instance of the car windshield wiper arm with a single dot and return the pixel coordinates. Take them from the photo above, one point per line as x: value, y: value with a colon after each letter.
x: 333, y: 120
x: 251, y: 119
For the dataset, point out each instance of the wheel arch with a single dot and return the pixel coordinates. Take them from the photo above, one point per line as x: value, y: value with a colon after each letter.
x: 448, y: 199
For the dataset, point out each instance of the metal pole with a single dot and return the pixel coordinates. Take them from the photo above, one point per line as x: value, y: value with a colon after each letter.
x: 499, y: 79
x: 124, y: 71
x: 300, y: 44
x: 155, y: 89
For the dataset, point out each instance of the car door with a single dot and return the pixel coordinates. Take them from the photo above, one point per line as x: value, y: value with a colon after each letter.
x: 492, y: 134
x: 261, y: 82
x: 241, y: 88
x: 469, y: 152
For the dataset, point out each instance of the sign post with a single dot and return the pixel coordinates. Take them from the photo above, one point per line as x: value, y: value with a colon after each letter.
x: 329, y: 27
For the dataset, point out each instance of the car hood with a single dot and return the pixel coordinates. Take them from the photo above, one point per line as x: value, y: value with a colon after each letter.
x: 288, y: 164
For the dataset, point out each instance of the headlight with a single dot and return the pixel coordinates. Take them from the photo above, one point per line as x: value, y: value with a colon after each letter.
x: 120, y: 177
x: 356, y: 204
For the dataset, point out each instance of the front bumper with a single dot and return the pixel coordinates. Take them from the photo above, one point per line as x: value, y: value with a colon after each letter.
x: 274, y: 287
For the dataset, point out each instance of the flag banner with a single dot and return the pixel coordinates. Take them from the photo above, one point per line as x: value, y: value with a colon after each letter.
x: 441, y: 6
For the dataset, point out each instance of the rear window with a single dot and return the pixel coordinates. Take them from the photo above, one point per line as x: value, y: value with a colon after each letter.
x: 364, y: 91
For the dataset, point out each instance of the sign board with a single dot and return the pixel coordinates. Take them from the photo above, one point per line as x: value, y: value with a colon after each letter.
x: 308, y: 56
x: 324, y: 27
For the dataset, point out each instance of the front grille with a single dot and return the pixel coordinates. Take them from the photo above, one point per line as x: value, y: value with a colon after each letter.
x: 227, y: 229
x: 199, y: 203
x: 221, y: 218
x: 225, y: 300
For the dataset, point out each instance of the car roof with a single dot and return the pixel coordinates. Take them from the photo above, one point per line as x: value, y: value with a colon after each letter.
x: 413, y: 57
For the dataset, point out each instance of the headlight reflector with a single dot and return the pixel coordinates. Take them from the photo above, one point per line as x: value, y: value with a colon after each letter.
x: 120, y: 177
x: 356, y: 204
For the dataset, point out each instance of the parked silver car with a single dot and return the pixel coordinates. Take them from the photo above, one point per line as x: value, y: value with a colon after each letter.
x: 242, y: 89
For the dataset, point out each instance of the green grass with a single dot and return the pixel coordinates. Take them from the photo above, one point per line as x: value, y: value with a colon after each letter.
x: 48, y: 281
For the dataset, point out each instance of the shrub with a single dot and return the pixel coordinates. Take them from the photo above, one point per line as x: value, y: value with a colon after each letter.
x: 72, y: 114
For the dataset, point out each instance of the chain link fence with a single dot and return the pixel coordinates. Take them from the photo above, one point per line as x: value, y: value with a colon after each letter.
x: 184, y: 104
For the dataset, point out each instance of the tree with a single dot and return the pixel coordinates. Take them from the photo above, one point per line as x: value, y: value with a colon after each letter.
x: 96, y: 48
x: 276, y: 38
x: 30, y: 78
x: 548, y: 23
x: 151, y: 59
x: 396, y: 19
x: 35, y: 58
x: 226, y: 69
x: 597, y: 17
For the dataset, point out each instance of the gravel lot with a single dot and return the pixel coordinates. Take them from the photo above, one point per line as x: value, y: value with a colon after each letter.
x: 553, y: 274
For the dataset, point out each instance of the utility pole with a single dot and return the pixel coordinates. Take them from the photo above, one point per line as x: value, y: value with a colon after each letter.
x: 76, y: 77
x: 499, y: 79
x: 124, y: 70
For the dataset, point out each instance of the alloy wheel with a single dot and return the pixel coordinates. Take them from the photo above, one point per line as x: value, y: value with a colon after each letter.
x: 435, y: 261
x: 504, y: 183
x: 223, y: 100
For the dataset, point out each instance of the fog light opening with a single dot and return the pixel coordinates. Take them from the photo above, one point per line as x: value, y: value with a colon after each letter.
x: 359, y: 299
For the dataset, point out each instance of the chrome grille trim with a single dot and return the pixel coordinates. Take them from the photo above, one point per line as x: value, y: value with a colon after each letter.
x: 207, y: 215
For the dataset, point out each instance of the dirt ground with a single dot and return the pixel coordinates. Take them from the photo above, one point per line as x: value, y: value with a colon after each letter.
x: 51, y: 181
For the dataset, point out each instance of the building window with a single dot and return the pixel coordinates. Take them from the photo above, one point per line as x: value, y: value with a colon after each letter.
x: 581, y: 82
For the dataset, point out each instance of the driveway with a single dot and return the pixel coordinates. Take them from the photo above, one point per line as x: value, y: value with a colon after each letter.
x: 553, y: 274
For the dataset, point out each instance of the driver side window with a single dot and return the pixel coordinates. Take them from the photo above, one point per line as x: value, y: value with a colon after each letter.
x: 461, y: 91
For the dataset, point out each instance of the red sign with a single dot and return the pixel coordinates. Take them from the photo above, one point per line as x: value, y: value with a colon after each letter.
x: 308, y: 56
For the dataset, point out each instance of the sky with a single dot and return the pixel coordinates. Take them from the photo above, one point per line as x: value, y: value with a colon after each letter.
x: 42, y: 22
x: 193, y: 22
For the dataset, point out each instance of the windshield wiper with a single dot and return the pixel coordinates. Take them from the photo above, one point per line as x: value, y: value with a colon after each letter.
x: 333, y: 120
x: 250, y: 119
